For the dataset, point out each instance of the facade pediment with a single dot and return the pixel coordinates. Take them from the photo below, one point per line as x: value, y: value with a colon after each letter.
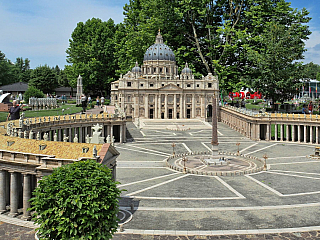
x: 170, y: 87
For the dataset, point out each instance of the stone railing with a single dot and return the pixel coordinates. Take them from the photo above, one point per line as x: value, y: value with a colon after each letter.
x: 67, y: 127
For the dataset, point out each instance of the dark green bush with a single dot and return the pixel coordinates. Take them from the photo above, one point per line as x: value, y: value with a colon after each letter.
x: 32, y: 92
x: 77, y: 201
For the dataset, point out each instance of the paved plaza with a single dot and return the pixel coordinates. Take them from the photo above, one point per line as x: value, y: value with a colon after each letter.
x: 283, y: 198
x: 160, y: 203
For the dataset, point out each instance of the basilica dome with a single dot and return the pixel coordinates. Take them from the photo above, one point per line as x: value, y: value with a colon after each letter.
x: 186, y: 69
x: 159, y: 51
x: 136, y: 68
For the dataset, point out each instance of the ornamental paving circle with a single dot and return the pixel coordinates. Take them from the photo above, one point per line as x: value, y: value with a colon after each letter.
x: 286, y: 197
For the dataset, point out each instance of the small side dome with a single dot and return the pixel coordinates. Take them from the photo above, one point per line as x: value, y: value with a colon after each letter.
x: 186, y: 69
x: 136, y: 68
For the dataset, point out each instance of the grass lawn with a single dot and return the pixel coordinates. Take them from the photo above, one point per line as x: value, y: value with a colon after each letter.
x: 68, y: 109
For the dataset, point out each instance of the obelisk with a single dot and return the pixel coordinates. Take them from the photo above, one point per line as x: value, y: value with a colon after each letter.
x: 214, y: 141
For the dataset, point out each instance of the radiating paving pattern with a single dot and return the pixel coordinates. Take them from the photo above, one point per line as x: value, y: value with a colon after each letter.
x: 166, y: 201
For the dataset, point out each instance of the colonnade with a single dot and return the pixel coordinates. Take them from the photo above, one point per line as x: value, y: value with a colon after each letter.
x: 15, y: 192
x: 262, y: 127
x: 83, y: 132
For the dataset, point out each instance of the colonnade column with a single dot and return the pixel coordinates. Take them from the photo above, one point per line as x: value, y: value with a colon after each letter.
x: 305, y: 133
x: 80, y: 134
x: 124, y: 132
x: 2, y: 191
x: 317, y: 135
x: 14, y: 194
x: 166, y: 106
x: 111, y: 131
x: 293, y: 133
x: 311, y: 134
x: 26, y: 196
x: 287, y: 133
x: 174, y: 106
x: 276, y: 132
x: 281, y: 132
x: 121, y: 133
x: 267, y: 132
x: 299, y: 133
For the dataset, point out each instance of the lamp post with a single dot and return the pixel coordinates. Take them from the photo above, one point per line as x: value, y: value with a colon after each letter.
x: 173, y: 145
x: 238, y: 144
x: 184, y: 159
x: 265, y: 162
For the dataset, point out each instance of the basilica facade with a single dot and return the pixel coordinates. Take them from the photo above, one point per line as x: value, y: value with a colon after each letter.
x: 157, y: 91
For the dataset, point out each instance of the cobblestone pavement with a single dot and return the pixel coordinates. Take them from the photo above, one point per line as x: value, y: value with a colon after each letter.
x: 276, y: 236
x: 160, y: 200
x: 14, y: 232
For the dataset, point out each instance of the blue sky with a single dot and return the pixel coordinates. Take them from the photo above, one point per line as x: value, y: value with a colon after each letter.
x: 40, y: 29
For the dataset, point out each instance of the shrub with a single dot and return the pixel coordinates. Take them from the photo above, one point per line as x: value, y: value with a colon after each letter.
x: 77, y: 201
x: 33, y: 92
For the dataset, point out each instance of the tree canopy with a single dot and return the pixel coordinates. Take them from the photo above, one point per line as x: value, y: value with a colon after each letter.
x: 91, y: 54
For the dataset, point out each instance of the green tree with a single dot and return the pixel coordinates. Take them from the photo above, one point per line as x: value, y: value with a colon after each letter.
x: 23, y: 69
x: 276, y: 74
x: 44, y: 78
x: 77, y: 201
x: 91, y: 54
x: 310, y: 71
x: 214, y: 36
x: 32, y: 92
x: 7, y: 71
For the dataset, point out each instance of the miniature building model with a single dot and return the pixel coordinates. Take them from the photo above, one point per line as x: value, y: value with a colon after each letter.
x: 156, y: 91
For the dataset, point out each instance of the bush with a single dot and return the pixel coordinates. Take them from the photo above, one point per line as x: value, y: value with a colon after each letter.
x: 77, y: 201
x: 71, y: 101
x: 33, y: 92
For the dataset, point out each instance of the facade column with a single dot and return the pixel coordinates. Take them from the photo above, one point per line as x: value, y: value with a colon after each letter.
x: 287, y: 133
x: 281, y: 132
x: 305, y: 133
x: 317, y: 135
x: 166, y: 106
x: 2, y: 191
x: 14, y: 194
x: 203, y: 106
x: 26, y: 196
x: 184, y: 106
x: 181, y: 107
x: 146, y: 106
x: 155, y: 114
x: 135, y: 105
x: 174, y: 106
x: 159, y: 107
x: 193, y: 107
x: 109, y: 130
x: 311, y: 134
x: 276, y: 132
